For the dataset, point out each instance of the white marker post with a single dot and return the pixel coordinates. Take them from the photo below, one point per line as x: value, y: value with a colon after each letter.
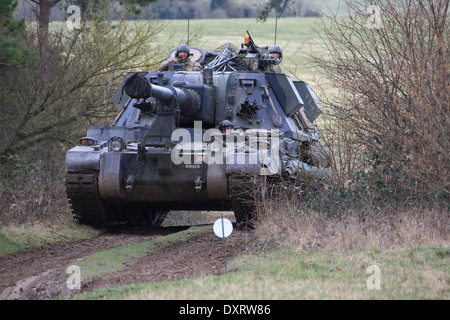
x: 223, y: 228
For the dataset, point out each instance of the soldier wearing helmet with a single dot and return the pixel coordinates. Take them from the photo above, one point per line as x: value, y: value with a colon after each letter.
x: 278, y: 54
x: 182, y: 56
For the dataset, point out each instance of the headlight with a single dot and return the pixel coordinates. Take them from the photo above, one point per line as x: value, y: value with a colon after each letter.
x: 87, y: 142
x: 116, y: 144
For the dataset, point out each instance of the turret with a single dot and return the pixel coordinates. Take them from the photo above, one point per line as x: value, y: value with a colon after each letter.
x: 161, y: 99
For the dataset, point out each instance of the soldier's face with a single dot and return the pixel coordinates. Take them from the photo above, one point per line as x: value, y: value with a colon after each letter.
x: 276, y: 55
x: 182, y: 55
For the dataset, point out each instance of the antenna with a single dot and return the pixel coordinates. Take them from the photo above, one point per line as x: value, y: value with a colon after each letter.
x: 188, y: 13
x: 276, y: 24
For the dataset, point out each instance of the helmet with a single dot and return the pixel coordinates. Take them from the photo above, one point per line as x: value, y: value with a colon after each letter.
x: 226, y: 125
x: 183, y: 47
x: 276, y: 49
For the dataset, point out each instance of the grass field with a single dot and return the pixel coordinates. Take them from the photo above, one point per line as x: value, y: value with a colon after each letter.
x: 14, y: 238
x: 298, y: 38
x: 403, y: 273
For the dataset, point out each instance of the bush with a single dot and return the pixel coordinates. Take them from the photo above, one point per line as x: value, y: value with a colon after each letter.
x: 49, y: 103
x: 393, y: 103
x: 32, y: 190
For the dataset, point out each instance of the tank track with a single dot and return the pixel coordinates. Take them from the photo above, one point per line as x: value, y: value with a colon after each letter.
x: 88, y: 208
x: 242, y: 196
x: 82, y: 193
x: 247, y: 190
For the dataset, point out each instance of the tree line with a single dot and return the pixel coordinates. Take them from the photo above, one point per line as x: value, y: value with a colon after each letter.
x: 175, y: 9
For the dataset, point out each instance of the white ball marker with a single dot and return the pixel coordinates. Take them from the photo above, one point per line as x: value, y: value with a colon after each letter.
x: 223, y: 228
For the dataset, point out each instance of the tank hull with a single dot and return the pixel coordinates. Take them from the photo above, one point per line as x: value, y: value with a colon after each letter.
x: 192, y: 141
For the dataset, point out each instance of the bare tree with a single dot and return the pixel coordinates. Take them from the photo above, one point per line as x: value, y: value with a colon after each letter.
x: 82, y: 68
x: 391, y: 64
x: 45, y: 6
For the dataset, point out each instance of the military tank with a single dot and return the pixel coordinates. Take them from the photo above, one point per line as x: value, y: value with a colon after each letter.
x: 196, y: 140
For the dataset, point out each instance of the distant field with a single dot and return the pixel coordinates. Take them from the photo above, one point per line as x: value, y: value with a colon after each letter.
x: 299, y: 39
x: 296, y: 36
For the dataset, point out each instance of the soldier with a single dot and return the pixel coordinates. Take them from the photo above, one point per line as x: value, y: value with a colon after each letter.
x: 278, y: 54
x: 182, y: 55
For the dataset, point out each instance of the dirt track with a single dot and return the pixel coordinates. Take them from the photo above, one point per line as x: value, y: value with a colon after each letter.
x: 39, y: 273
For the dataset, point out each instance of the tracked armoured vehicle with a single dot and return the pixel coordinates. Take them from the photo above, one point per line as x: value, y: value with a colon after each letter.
x: 195, y: 140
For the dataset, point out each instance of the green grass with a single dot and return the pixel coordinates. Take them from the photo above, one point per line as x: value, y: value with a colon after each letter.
x: 195, y: 218
x: 296, y: 36
x: 14, y: 238
x: 299, y: 39
x: 405, y: 273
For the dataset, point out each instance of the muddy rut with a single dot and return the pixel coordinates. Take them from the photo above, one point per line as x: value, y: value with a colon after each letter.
x: 40, y: 273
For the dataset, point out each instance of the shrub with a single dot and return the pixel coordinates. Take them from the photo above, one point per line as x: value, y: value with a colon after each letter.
x: 393, y: 103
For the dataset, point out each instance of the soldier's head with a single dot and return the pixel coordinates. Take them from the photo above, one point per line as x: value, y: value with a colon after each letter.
x: 276, y: 52
x: 182, y: 52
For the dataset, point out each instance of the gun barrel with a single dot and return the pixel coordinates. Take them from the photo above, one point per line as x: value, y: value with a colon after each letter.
x: 167, y: 93
x: 161, y: 93
x: 138, y: 87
